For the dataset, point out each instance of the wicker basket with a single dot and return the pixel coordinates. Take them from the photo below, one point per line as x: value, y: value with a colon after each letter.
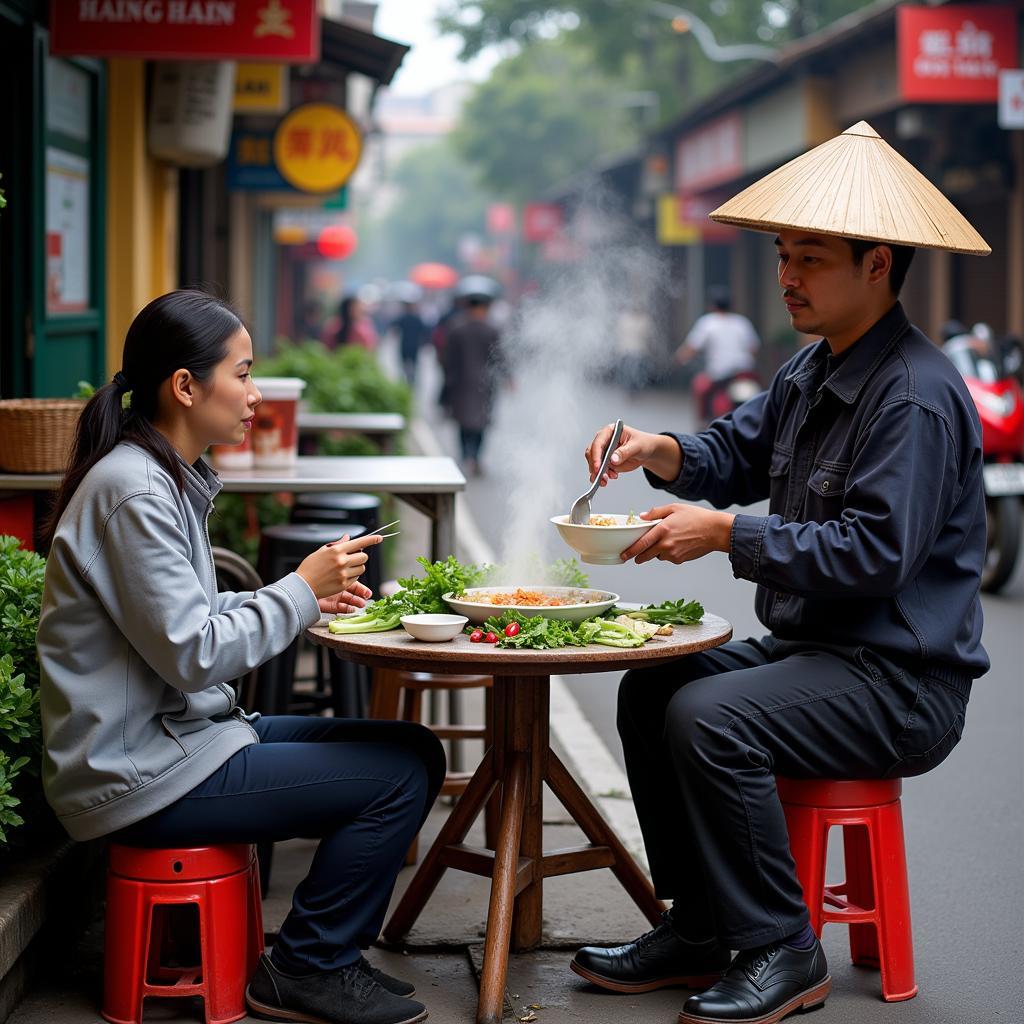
x: 36, y: 433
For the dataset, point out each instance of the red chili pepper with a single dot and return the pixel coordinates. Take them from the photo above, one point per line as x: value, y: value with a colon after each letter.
x: 491, y: 638
x: 512, y: 629
x: 476, y: 636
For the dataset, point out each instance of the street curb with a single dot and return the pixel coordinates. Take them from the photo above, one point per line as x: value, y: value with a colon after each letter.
x: 587, y: 756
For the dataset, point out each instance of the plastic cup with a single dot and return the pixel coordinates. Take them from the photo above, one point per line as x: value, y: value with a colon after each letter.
x: 275, y: 438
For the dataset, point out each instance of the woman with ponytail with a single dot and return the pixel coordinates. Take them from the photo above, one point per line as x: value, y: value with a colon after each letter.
x: 143, y: 738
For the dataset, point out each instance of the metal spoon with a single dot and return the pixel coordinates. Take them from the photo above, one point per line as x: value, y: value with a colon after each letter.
x: 579, y: 514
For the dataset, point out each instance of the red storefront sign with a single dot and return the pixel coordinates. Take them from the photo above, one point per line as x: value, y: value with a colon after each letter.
x: 954, y: 54
x: 711, y: 154
x: 286, y: 31
x: 541, y: 221
x: 695, y: 209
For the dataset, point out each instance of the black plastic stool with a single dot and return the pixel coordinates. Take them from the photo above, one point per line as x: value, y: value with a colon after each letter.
x: 360, y: 508
x: 282, y: 549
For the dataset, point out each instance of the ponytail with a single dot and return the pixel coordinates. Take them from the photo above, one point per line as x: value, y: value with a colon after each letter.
x: 183, y: 329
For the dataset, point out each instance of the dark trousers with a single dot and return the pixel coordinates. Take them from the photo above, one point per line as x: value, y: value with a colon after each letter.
x: 471, y: 440
x: 363, y: 788
x: 705, y: 736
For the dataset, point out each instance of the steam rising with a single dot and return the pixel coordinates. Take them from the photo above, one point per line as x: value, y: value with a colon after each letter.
x: 562, y: 350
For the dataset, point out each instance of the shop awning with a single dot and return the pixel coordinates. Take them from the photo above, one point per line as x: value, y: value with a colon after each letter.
x: 350, y: 46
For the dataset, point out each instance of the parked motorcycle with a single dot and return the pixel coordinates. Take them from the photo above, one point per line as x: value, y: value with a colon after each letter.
x: 1000, y: 401
x: 716, y: 398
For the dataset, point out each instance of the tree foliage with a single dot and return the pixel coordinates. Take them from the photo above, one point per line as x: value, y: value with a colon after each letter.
x: 542, y: 116
x: 636, y: 41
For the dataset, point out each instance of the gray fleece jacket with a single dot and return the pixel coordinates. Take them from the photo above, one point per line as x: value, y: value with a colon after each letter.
x: 136, y: 645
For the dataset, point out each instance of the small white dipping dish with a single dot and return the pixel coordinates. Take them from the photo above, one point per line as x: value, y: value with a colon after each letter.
x: 602, y: 545
x: 432, y: 627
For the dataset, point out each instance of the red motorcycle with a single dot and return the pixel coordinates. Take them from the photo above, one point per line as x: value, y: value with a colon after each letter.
x: 1000, y: 401
x: 714, y: 398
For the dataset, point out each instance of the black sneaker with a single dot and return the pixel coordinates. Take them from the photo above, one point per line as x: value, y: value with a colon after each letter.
x: 345, y: 996
x: 393, y: 985
x: 762, y: 986
x: 657, y: 959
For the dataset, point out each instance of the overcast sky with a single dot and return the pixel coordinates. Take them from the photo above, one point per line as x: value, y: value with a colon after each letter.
x: 432, y: 60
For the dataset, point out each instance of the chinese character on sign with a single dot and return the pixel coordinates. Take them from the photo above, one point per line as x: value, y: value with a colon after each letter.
x: 299, y: 142
x: 935, y: 43
x: 274, y: 21
x: 253, y: 151
x: 972, y: 42
x: 333, y: 143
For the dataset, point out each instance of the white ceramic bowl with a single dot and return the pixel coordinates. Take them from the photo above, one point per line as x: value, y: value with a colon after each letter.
x: 601, y: 545
x: 432, y: 627
x: 590, y: 602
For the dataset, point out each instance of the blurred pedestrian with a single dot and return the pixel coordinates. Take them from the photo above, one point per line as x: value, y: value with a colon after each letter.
x: 472, y: 368
x: 729, y: 344
x: 439, y: 339
x: 351, y: 326
x: 413, y: 334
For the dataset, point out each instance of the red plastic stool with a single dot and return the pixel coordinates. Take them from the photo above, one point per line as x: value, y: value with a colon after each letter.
x: 874, y: 900
x: 222, y: 882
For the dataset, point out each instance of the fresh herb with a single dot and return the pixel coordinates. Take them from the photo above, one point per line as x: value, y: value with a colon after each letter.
x: 681, y: 613
x: 418, y: 594
x: 540, y: 634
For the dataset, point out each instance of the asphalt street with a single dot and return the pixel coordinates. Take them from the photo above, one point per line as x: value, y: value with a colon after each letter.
x: 964, y: 821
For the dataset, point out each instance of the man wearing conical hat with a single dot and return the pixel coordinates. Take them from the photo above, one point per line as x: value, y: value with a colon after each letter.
x: 867, y: 446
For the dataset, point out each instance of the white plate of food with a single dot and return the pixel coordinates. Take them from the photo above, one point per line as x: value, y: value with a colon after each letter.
x: 574, y: 604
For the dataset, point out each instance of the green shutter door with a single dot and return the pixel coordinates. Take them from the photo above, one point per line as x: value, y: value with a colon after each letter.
x: 69, y: 213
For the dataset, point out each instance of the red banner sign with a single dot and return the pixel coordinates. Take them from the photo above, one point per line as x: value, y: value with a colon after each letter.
x: 711, y: 154
x: 286, y: 31
x: 541, y: 221
x: 953, y: 54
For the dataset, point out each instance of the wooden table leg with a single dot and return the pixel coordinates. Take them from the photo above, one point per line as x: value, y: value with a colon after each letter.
x: 525, y: 699
x: 503, y: 893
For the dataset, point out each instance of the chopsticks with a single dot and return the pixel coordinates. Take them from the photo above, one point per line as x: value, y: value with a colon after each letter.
x: 386, y: 526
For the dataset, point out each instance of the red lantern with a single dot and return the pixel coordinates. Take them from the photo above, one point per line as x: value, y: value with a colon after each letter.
x: 337, y: 242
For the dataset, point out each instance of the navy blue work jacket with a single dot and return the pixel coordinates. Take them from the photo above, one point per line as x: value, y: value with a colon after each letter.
x: 872, y: 465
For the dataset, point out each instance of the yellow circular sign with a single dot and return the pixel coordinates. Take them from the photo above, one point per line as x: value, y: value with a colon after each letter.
x: 317, y: 147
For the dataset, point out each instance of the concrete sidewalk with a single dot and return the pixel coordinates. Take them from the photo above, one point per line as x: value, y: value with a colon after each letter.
x: 443, y: 953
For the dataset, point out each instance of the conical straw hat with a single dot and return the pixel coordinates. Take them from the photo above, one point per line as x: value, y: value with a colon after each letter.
x: 855, y: 186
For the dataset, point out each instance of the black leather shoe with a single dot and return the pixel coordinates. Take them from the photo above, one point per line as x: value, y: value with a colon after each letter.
x: 762, y: 986
x: 657, y: 959
x: 344, y: 996
x: 393, y: 985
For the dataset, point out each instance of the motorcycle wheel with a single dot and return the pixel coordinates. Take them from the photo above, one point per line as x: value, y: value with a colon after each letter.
x: 1003, y: 542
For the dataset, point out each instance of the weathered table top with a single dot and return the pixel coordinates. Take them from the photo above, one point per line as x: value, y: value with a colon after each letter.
x: 397, y: 650
x: 373, y: 422
x: 396, y: 474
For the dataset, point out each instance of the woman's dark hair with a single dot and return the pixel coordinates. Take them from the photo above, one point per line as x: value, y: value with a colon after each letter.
x: 901, y: 258
x: 180, y: 330
x: 344, y: 335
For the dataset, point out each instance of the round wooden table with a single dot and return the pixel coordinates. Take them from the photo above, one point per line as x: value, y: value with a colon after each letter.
x: 519, y: 761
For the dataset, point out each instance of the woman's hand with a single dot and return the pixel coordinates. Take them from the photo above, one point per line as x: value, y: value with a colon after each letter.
x: 333, y: 569
x: 685, y: 532
x: 635, y: 447
x: 351, y: 600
